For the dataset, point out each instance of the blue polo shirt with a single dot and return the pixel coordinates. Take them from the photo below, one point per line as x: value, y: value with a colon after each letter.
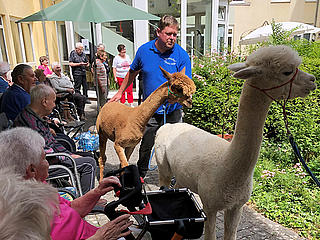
x: 14, y: 100
x: 148, y: 59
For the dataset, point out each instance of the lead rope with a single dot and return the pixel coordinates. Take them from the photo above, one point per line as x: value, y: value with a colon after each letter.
x: 153, y: 149
x: 285, y: 119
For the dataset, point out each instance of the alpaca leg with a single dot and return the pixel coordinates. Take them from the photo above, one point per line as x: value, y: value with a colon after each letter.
x: 128, y: 151
x: 164, y: 180
x: 210, y: 226
x: 231, y: 221
x: 165, y: 174
x: 102, y: 158
x: 121, y: 155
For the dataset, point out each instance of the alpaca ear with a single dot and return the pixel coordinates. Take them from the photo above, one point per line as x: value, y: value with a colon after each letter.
x: 247, y: 72
x: 165, y: 73
x: 237, y: 66
x: 183, y: 71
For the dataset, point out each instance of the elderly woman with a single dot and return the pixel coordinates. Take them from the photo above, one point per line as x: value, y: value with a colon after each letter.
x: 23, y: 150
x: 44, y: 65
x: 102, y: 77
x: 24, y: 206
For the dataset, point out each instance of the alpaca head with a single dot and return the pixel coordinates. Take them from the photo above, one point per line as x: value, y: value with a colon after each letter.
x: 275, y: 67
x: 180, y: 87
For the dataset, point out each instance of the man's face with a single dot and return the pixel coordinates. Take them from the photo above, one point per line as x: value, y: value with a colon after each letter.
x: 79, y: 50
x: 27, y: 80
x: 168, y: 36
x: 50, y: 103
x: 57, y: 70
x: 42, y: 167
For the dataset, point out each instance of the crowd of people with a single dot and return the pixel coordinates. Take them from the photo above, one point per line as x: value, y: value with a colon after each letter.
x: 28, y: 98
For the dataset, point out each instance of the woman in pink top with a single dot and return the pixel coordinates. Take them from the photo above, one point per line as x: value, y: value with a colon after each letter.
x: 23, y: 150
x: 44, y: 61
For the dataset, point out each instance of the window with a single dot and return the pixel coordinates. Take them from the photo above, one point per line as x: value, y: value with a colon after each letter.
x: 221, y: 12
x: 23, y: 42
x: 3, y: 47
x: 62, y: 41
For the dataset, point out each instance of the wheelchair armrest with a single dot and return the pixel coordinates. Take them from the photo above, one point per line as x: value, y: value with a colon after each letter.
x: 74, y: 167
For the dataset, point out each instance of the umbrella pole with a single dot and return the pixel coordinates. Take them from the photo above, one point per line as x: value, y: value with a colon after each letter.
x: 94, y: 66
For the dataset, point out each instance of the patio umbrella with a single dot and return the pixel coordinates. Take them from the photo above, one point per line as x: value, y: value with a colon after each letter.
x: 93, y: 11
x: 262, y: 33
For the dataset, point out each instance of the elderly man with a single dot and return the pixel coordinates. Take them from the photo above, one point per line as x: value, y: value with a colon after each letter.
x: 78, y: 62
x: 33, y: 116
x: 22, y: 149
x: 16, y: 97
x: 62, y: 83
x: 25, y: 201
x: 4, y: 82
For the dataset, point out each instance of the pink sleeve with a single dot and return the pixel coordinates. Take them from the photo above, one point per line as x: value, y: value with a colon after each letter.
x: 62, y: 200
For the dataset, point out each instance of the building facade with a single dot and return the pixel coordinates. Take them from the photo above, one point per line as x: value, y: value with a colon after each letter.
x: 247, y: 15
x: 203, y: 28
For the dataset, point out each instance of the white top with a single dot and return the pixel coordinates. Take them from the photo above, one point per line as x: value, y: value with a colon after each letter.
x: 122, y: 65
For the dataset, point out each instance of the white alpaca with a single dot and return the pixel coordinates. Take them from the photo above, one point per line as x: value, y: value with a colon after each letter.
x: 219, y: 171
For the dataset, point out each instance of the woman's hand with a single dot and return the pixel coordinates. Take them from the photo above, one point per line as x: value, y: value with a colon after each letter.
x: 107, y: 185
x: 113, y: 229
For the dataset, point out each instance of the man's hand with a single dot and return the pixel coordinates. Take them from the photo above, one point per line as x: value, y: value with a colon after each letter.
x: 113, y: 229
x: 53, y: 132
x: 70, y: 90
x: 107, y: 185
x: 116, y: 97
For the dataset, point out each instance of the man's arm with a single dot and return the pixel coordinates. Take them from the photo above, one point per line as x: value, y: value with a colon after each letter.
x: 131, y: 75
x: 72, y: 64
x: 55, y: 85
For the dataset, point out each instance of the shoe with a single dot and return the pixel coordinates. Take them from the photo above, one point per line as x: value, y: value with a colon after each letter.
x: 88, y: 101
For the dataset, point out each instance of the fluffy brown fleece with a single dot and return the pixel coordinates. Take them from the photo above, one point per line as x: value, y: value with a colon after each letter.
x: 125, y: 125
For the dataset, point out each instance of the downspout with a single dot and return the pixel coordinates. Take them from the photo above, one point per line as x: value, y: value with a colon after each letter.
x: 316, y: 16
x: 44, y: 32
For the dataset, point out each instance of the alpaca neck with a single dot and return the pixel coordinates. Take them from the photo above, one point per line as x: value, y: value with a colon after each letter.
x: 244, y: 149
x: 152, y: 103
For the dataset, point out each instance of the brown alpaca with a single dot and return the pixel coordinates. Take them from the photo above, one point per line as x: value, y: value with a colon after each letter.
x: 125, y: 125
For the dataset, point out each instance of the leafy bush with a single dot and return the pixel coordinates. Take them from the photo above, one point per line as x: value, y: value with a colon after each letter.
x: 285, y: 194
x: 216, y: 99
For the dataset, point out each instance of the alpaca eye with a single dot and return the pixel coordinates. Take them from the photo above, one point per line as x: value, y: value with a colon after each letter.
x: 177, y: 89
x: 287, y: 73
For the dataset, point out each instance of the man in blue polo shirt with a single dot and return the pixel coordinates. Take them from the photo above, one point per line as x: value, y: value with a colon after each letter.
x: 164, y: 52
x: 17, y: 97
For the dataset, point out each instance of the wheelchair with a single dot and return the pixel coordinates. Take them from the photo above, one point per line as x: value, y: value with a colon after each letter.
x: 167, y: 214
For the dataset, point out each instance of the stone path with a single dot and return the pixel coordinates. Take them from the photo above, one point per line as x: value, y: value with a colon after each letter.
x: 252, y: 225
